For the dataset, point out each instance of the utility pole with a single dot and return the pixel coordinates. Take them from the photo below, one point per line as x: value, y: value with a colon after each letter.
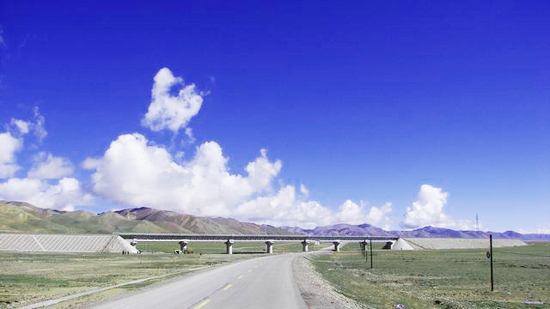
x: 477, y: 223
x: 371, y: 253
x: 491, y: 256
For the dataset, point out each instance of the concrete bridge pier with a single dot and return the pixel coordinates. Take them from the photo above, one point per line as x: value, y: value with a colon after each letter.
x: 229, y: 246
x: 336, y: 245
x: 305, y: 246
x: 183, y: 246
x: 269, y: 246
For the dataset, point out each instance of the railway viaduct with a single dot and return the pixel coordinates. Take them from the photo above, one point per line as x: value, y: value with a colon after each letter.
x: 269, y: 240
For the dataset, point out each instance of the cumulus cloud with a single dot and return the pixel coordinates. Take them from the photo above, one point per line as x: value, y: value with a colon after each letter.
x: 540, y: 229
x: 428, y: 209
x: 11, y: 141
x: 35, y: 125
x: 304, y: 190
x: 189, y: 133
x: 9, y: 145
x: 135, y: 173
x: 463, y: 225
x: 21, y: 125
x: 543, y: 229
x: 64, y: 195
x: 167, y: 111
x: 285, y: 208
x: 353, y: 213
x: 47, y: 166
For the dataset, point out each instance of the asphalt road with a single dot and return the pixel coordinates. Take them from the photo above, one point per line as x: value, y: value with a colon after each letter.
x: 265, y: 282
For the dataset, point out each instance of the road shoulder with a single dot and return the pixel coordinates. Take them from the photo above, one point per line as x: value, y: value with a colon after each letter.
x: 315, y: 290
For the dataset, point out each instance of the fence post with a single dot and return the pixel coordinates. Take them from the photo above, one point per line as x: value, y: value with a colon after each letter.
x: 491, y: 254
x: 371, y: 253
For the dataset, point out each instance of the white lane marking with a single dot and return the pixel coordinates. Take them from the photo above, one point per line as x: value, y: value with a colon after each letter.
x: 202, y: 304
x: 227, y: 287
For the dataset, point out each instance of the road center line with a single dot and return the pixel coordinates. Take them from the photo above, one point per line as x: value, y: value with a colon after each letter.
x: 227, y: 287
x: 202, y: 304
x: 240, y: 277
x: 250, y: 270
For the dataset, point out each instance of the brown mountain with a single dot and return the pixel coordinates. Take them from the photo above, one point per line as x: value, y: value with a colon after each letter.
x: 17, y: 217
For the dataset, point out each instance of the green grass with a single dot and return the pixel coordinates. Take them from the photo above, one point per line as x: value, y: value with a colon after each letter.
x: 441, y: 279
x: 31, y: 278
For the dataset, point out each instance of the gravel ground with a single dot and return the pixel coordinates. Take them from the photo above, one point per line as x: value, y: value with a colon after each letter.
x: 316, y: 291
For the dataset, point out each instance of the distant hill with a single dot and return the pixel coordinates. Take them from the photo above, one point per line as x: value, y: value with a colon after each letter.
x: 425, y: 232
x: 342, y: 230
x: 430, y: 231
x: 17, y: 217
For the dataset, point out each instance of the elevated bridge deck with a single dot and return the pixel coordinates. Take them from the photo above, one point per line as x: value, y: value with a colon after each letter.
x: 247, y: 237
x: 229, y: 239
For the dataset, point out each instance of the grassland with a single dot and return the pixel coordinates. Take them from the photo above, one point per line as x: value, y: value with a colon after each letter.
x: 30, y: 278
x: 441, y: 279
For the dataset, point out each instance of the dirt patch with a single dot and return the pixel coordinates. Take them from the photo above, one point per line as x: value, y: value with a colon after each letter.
x: 316, y: 291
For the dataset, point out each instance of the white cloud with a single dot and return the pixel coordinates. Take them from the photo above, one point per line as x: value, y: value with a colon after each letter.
x: 304, y: 190
x: 463, y: 225
x: 36, y: 126
x: 21, y: 125
x: 168, y: 111
x: 353, y: 213
x: 261, y: 171
x: 135, y: 173
x: 12, y: 141
x: 378, y: 216
x: 9, y: 145
x: 285, y: 208
x: 189, y: 133
x: 543, y: 229
x: 65, y: 194
x: 540, y: 229
x: 48, y: 166
x: 428, y: 209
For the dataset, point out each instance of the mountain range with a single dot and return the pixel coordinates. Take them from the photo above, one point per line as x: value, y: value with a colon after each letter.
x: 19, y: 217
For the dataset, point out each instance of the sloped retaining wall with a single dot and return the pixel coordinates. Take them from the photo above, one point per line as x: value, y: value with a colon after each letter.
x: 65, y: 243
x: 452, y: 243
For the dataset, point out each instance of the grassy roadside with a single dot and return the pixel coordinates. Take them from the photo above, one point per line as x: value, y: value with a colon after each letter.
x: 441, y: 279
x: 27, y: 278
x: 30, y: 278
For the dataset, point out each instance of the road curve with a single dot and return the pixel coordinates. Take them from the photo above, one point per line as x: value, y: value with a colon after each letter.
x: 265, y: 282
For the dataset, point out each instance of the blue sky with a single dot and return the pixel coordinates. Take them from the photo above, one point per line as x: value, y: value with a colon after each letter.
x: 372, y: 107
